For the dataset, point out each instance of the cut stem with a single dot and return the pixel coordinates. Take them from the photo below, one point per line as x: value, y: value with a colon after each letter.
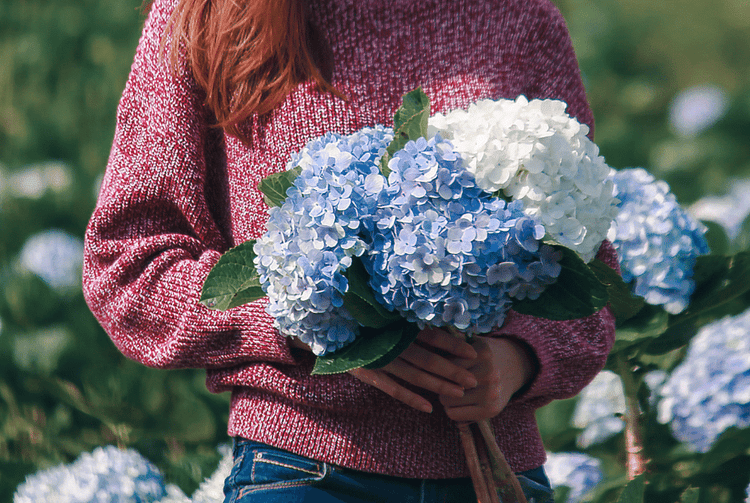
x: 507, y: 483
x: 472, y: 460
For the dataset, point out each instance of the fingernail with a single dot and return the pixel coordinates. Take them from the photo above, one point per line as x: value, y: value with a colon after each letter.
x: 470, y: 383
x: 426, y: 407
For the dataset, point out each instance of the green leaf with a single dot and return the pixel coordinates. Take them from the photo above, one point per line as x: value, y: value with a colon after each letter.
x: 370, y: 345
x: 274, y: 186
x: 690, y: 495
x: 732, y: 443
x: 410, y: 333
x: 633, y: 492
x: 718, y: 280
x: 622, y: 301
x: 650, y: 322
x: 576, y: 293
x: 409, y: 123
x: 742, y: 241
x: 716, y: 237
x: 233, y: 280
x: 360, y: 301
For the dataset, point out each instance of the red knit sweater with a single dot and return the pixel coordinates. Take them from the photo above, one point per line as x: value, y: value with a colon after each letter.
x: 177, y: 193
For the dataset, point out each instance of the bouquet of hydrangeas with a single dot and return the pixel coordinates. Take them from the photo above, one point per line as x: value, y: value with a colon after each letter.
x: 445, y: 221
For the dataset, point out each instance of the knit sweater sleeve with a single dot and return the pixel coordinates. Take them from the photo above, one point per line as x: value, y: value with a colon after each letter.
x: 153, y: 239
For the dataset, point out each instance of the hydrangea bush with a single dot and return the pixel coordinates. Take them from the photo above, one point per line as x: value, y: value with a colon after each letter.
x: 533, y: 151
x: 656, y: 239
x: 709, y: 391
x: 106, y: 475
x: 577, y: 471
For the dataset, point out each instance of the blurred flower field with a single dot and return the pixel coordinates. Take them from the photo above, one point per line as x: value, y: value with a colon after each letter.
x: 669, y: 83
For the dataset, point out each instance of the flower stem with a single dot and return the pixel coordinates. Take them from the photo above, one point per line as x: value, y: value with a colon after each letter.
x: 636, y: 459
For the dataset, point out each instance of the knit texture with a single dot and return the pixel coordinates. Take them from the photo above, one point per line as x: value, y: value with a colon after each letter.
x: 177, y: 193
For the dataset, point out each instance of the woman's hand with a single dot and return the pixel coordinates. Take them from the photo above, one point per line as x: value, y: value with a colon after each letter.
x: 502, y: 367
x: 436, y: 362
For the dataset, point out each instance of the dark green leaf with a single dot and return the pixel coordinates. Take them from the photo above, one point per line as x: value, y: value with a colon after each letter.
x: 650, y: 322
x: 233, y: 280
x: 731, y: 443
x: 360, y: 301
x: 409, y: 123
x: 718, y: 281
x: 742, y: 241
x: 633, y: 492
x: 690, y: 495
x: 623, y: 303
x: 410, y: 334
x: 716, y: 237
x: 561, y: 494
x: 576, y: 293
x: 274, y: 186
x: 370, y: 345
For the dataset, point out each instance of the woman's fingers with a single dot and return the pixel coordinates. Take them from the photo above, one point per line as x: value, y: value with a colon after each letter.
x: 447, y: 372
x: 450, y: 343
x: 402, y: 369
x: 381, y: 380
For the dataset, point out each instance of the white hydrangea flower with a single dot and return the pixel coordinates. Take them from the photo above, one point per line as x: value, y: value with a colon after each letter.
x: 34, y: 181
x: 211, y: 490
x: 597, y: 408
x: 728, y: 210
x: 535, y: 152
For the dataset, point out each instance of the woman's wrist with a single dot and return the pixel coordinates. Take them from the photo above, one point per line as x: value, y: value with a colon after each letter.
x: 519, y: 359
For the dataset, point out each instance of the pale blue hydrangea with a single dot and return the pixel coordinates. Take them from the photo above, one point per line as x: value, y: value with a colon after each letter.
x: 447, y: 253
x: 55, y: 256
x: 697, y: 108
x: 106, y: 475
x: 656, y: 239
x: 709, y: 391
x: 598, y: 409
x: 580, y: 472
x: 312, y: 237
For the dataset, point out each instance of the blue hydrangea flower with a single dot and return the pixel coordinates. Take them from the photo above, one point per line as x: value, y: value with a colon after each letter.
x: 445, y: 252
x: 311, y: 238
x: 106, y: 475
x: 579, y: 472
x: 709, y: 391
x: 656, y: 239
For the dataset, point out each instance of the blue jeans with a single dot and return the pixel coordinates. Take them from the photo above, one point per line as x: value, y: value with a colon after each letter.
x: 262, y: 473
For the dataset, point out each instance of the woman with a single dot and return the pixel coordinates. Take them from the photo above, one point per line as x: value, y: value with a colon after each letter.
x: 249, y: 83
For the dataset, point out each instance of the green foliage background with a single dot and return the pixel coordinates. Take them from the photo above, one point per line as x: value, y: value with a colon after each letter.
x: 64, y: 388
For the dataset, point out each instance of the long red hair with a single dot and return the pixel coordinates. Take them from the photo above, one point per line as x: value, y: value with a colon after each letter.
x: 248, y: 54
